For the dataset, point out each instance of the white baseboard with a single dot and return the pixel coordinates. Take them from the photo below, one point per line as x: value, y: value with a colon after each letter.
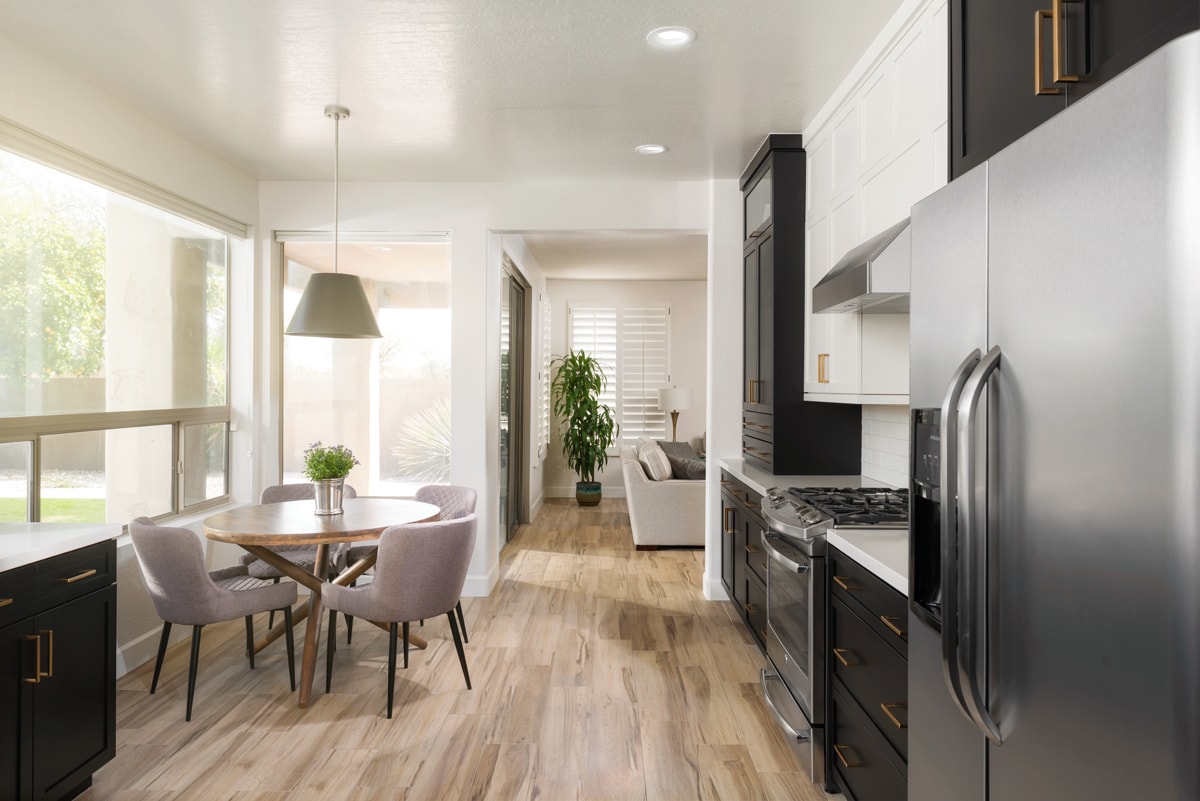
x: 480, y: 586
x: 714, y: 590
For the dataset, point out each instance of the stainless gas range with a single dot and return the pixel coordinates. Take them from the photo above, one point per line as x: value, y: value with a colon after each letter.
x: 797, y: 613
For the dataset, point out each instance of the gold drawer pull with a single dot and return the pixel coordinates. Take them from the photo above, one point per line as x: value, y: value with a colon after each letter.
x: 85, y: 574
x: 5, y: 601
x: 750, y: 608
x: 887, y: 710
x: 1056, y: 27
x: 37, y: 658
x: 840, y: 654
x: 764, y: 567
x: 841, y: 582
x: 846, y: 763
x: 751, y: 549
x: 50, y: 646
x: 729, y: 520
x: 725, y: 482
x: 887, y: 621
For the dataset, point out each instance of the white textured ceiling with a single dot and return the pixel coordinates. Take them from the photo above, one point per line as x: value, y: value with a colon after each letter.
x: 470, y: 90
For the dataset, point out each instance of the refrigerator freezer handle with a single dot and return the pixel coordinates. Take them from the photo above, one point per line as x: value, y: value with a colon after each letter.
x: 949, y: 528
x: 974, y: 546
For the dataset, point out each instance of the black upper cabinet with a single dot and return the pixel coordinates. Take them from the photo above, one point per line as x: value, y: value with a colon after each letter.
x: 1000, y: 48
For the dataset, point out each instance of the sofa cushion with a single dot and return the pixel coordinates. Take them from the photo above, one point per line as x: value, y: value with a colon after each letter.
x: 653, y: 460
x: 690, y: 469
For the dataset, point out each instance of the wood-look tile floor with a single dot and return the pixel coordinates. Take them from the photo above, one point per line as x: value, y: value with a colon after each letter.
x: 600, y: 672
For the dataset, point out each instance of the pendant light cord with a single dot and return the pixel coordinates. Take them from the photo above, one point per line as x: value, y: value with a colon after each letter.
x: 337, y: 125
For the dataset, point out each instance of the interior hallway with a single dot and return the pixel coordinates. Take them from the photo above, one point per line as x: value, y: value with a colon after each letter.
x: 600, y: 672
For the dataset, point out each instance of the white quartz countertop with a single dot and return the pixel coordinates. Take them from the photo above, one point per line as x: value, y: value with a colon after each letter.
x: 25, y: 543
x: 761, y: 481
x: 883, y: 551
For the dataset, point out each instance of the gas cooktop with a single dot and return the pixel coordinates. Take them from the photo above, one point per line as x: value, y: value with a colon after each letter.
x: 808, y: 512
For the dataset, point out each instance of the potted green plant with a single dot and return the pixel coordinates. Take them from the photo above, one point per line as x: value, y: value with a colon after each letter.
x: 327, y: 466
x: 588, y: 427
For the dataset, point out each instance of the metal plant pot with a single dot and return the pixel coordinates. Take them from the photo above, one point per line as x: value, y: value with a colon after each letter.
x: 328, y: 494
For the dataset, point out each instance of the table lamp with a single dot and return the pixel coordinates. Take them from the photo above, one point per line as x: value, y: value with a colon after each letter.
x: 674, y: 400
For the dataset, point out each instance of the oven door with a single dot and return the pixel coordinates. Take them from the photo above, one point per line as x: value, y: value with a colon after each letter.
x: 791, y: 626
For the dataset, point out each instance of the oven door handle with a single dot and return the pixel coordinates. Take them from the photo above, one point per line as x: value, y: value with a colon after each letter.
x: 765, y: 676
x: 779, y: 556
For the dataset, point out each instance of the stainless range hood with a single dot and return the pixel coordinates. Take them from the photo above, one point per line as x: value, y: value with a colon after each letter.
x: 872, y: 278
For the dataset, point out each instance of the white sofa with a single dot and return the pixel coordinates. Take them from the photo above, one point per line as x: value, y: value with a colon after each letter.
x: 667, y: 512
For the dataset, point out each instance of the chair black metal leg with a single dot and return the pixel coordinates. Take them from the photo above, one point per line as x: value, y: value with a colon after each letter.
x: 392, y: 666
x: 162, y: 650
x: 291, y: 645
x: 406, y: 645
x: 462, y: 657
x: 462, y: 623
x: 349, y: 626
x: 329, y: 649
x: 271, y: 618
x: 193, y: 664
x: 250, y: 639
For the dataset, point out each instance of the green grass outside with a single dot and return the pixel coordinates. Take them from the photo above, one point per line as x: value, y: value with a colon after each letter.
x: 55, y: 510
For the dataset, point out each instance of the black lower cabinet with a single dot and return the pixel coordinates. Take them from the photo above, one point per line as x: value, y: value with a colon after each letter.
x: 864, y: 766
x: 58, y: 680
x: 742, y: 558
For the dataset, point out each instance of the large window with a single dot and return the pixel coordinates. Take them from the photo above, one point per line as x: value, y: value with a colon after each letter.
x: 113, y: 331
x: 388, y: 400
x: 633, y: 342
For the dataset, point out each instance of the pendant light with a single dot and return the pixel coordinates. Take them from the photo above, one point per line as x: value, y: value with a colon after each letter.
x: 334, y: 304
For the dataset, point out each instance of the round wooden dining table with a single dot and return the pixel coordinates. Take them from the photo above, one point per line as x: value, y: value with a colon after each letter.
x: 258, y: 528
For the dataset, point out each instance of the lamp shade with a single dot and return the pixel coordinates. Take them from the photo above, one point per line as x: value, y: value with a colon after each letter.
x: 334, y: 305
x: 671, y: 399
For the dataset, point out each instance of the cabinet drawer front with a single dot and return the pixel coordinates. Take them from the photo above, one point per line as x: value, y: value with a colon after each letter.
x: 860, y: 761
x: 758, y: 425
x: 76, y: 573
x: 756, y: 554
x: 18, y: 593
x: 883, y: 607
x: 756, y: 607
x: 873, y: 673
x: 760, y: 453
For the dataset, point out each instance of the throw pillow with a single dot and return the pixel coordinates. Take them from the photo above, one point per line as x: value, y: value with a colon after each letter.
x: 685, y: 468
x: 653, y: 461
x: 683, y: 450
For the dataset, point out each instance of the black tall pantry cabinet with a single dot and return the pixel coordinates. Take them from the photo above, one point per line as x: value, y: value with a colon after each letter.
x: 58, y: 624
x: 781, y: 432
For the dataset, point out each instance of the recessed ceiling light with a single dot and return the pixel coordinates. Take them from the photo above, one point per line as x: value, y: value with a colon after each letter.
x: 651, y: 150
x: 672, y: 36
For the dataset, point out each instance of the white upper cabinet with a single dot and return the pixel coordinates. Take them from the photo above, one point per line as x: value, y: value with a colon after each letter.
x: 877, y: 147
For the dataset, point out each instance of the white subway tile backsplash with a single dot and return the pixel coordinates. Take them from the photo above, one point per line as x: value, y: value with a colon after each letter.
x: 885, y: 444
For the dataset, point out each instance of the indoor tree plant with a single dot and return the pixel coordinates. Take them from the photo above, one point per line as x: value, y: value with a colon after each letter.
x: 327, y: 466
x: 587, y: 426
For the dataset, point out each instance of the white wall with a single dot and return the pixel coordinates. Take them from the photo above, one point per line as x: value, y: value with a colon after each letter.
x: 875, y: 148
x: 689, y: 369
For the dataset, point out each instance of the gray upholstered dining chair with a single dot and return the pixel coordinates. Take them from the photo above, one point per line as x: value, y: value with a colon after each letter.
x: 452, y: 501
x: 185, y: 592
x: 420, y: 573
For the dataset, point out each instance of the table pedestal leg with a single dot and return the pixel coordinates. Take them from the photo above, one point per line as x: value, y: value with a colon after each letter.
x: 312, y: 631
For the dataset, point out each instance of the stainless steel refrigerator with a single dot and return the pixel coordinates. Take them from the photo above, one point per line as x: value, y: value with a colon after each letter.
x: 1055, y: 386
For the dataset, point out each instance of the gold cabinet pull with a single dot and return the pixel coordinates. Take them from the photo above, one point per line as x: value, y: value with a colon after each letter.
x: 764, y: 567
x: 1056, y: 25
x: 750, y: 548
x: 822, y: 368
x: 37, y: 658
x: 751, y: 391
x: 1039, y: 20
x: 725, y: 482
x: 750, y: 608
x: 840, y: 750
x: 79, y: 577
x: 5, y: 601
x: 887, y: 710
x: 50, y: 660
x: 840, y: 653
x: 841, y: 582
x: 729, y: 521
x: 887, y: 621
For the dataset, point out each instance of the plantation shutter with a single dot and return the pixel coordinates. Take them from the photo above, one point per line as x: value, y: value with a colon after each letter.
x: 645, y: 367
x: 593, y: 329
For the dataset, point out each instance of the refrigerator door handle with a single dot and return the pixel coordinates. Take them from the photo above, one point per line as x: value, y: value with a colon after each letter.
x: 949, y: 528
x: 973, y: 552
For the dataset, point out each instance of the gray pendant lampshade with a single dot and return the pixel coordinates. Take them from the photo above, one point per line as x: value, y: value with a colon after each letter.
x: 334, y: 304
